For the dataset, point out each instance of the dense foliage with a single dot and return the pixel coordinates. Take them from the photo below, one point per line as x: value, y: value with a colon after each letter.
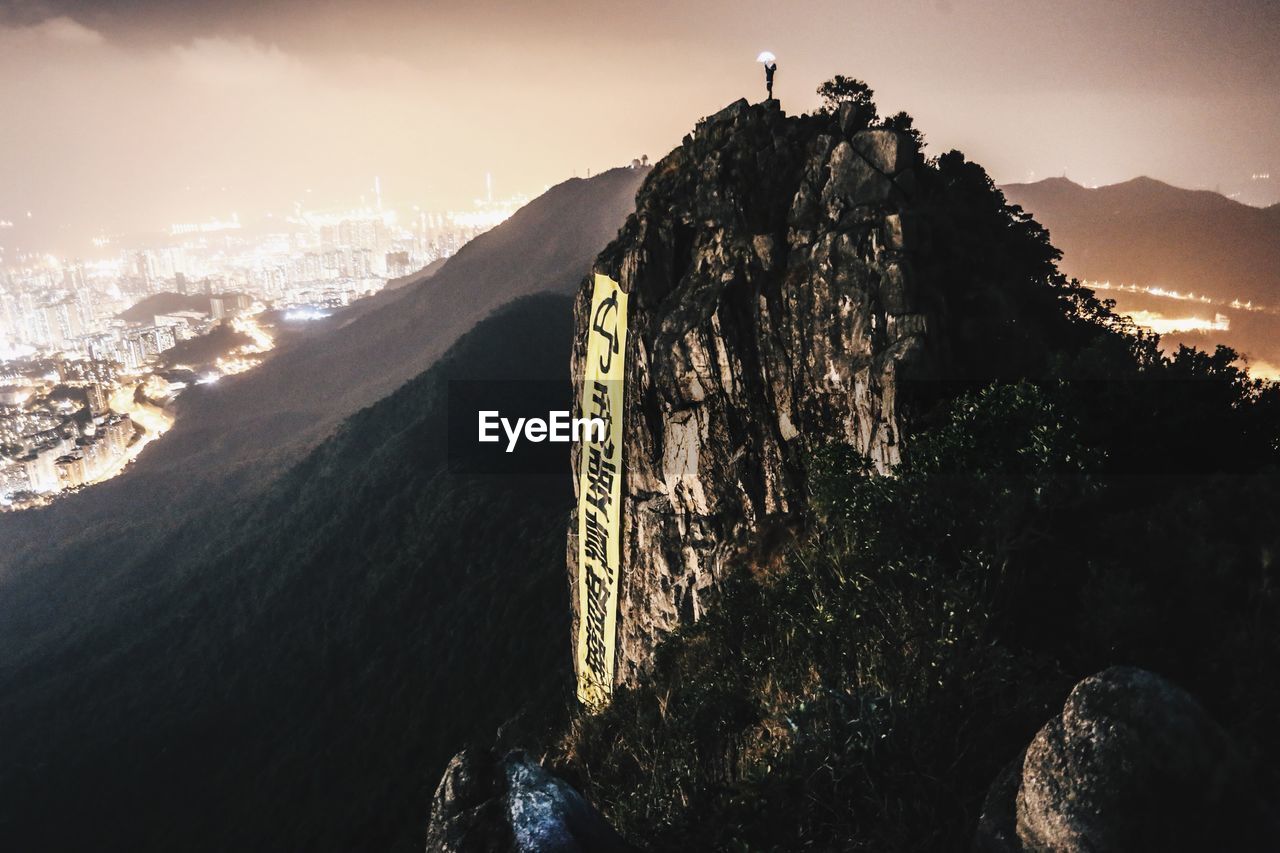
x: 841, y: 90
x: 933, y: 620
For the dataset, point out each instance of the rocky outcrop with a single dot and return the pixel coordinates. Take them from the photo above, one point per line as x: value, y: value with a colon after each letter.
x: 772, y: 309
x: 1131, y: 763
x: 490, y: 804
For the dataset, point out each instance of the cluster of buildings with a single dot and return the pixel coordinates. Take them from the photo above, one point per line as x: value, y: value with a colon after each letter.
x: 58, y: 384
x: 57, y: 430
x: 76, y: 334
x: 134, y: 347
x: 309, y: 259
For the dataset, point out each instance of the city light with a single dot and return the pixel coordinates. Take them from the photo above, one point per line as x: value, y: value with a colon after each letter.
x: 1178, y: 296
x: 87, y: 367
x: 1162, y: 325
x: 302, y: 315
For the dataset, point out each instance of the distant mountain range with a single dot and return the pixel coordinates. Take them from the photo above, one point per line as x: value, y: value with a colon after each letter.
x: 306, y: 389
x: 1159, y: 237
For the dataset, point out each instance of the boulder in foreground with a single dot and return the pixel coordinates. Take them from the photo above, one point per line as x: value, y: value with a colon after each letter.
x: 1131, y: 763
x: 510, y: 804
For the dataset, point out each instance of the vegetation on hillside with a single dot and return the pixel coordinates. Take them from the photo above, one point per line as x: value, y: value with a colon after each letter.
x: 295, y: 673
x: 1070, y: 499
x: 932, y: 620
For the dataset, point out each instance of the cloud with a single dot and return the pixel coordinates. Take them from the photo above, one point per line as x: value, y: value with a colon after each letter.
x: 122, y: 114
x: 61, y: 29
x: 100, y: 135
x: 69, y: 31
x: 235, y: 62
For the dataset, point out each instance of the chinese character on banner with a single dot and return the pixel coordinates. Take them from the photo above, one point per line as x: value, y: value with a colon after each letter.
x: 600, y: 494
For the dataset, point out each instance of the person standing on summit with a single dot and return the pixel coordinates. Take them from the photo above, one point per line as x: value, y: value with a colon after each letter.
x: 770, y: 66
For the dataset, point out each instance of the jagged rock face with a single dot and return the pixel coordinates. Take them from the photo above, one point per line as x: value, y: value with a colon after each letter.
x: 772, y: 310
x: 487, y: 804
x: 1131, y: 763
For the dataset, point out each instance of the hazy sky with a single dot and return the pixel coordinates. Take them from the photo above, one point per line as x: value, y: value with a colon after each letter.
x: 131, y: 114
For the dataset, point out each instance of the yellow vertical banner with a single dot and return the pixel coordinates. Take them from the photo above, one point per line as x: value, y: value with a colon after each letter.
x: 600, y: 493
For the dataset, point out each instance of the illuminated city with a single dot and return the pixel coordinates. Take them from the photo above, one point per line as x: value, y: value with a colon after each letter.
x: 94, y: 349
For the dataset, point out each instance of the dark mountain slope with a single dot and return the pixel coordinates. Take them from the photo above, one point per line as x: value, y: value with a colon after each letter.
x: 233, y: 436
x: 1151, y: 234
x: 164, y: 303
x: 546, y: 246
x: 293, y: 674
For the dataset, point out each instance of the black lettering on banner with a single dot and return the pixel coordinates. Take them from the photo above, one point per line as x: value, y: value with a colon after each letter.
x: 599, y: 484
x: 608, y: 310
x: 596, y: 543
x: 597, y: 612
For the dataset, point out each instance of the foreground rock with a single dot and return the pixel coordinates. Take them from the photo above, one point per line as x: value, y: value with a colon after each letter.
x: 1131, y: 763
x: 772, y: 308
x: 510, y: 804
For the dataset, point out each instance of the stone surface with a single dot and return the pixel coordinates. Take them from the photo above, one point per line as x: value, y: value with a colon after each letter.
x: 1132, y: 763
x: 772, y: 308
x: 487, y: 804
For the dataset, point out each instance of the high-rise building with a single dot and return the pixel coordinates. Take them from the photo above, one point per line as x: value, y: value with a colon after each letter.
x: 97, y: 398
x: 70, y: 470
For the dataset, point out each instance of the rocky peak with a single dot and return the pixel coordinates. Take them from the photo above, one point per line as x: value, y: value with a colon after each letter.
x: 772, y: 310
